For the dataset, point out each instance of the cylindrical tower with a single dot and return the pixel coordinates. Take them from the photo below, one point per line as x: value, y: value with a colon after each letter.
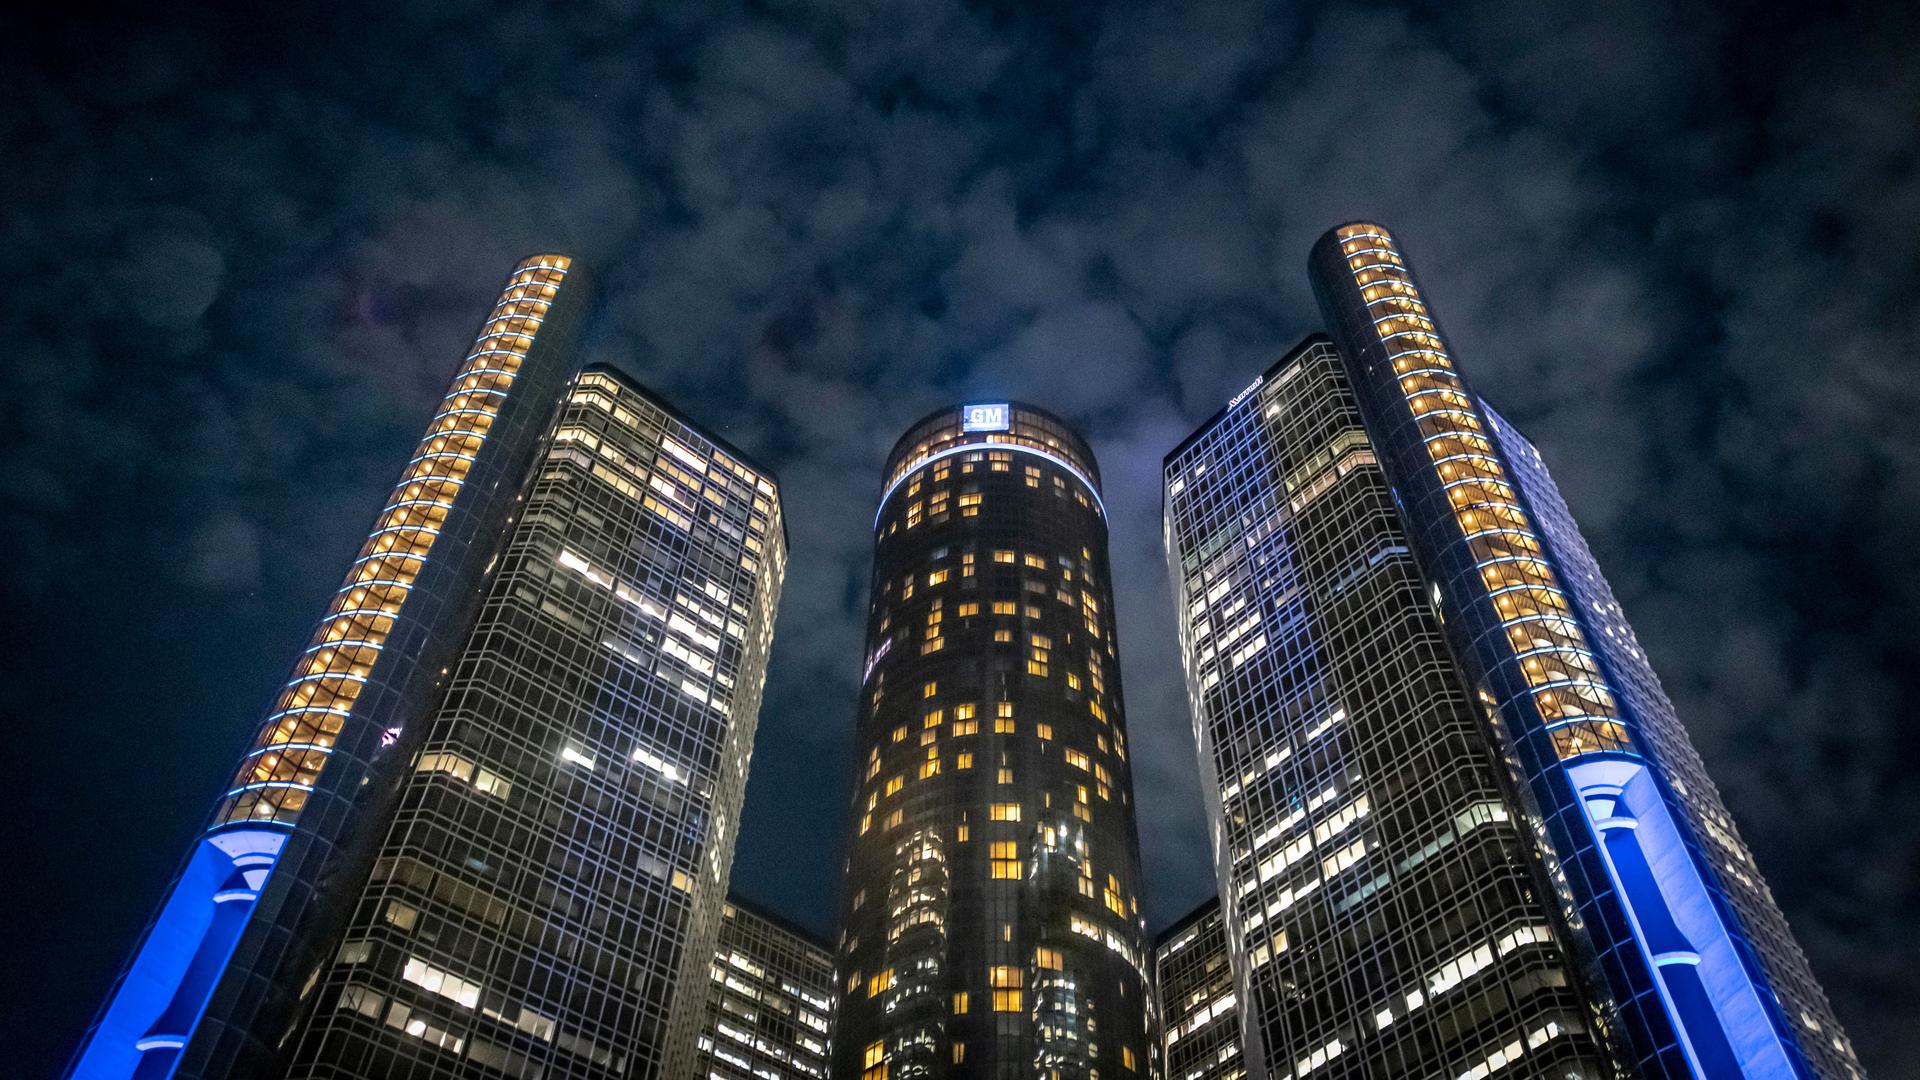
x: 990, y: 922
x: 261, y: 897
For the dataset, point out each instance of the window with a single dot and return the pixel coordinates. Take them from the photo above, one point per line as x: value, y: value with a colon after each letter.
x: 880, y: 983
x: 960, y: 1003
x: 1005, y: 607
x: 1003, y: 725
x: 894, y: 819
x: 1047, y: 959
x: 934, y: 718
x: 1002, y: 637
x: 938, y: 577
x: 1003, y: 976
x: 1044, y: 731
x: 968, y: 609
x: 900, y: 733
x: 1004, y: 811
x: 1035, y: 562
x: 1005, y: 856
x: 875, y: 1063
x: 1006, y: 776
x: 1003, y: 556
x: 1077, y: 759
x: 927, y: 690
x: 963, y: 761
x: 963, y: 712
x: 966, y: 727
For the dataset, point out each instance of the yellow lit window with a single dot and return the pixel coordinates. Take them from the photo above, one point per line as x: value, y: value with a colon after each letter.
x: 1004, y: 811
x: 931, y: 766
x: 1005, y: 607
x: 934, y: 718
x: 960, y: 1003
x: 1008, y: 1001
x: 938, y: 577
x: 1035, y: 562
x: 1073, y: 681
x: 1077, y: 759
x: 1005, y: 860
x: 969, y: 609
x: 963, y: 761
x: 866, y: 822
x: 1002, y: 725
x: 964, y: 712
x: 961, y: 834
x: 1044, y: 731
x: 927, y: 690
x: 1003, y: 556
x: 1003, y: 708
x: 966, y: 727
x: 960, y: 1045
x: 1006, y: 776
x: 875, y: 1067
x: 1035, y: 667
x: 1003, y: 976
x: 1002, y: 636
x: 1126, y: 1059
x: 1033, y: 611
x: 1047, y: 959
x: 880, y: 983
x: 900, y: 733
x: 893, y: 819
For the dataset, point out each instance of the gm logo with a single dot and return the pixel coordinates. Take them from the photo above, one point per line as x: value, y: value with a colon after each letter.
x: 984, y: 417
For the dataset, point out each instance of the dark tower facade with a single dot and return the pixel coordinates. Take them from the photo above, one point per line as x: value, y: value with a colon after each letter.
x: 991, y: 920
x: 264, y: 893
x: 1673, y: 925
x: 1382, y: 901
x: 546, y: 897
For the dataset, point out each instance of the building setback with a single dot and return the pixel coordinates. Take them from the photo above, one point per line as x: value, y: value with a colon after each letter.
x: 1200, y: 1011
x: 259, y: 902
x: 990, y: 921
x: 1380, y: 890
x: 769, y: 1001
x: 547, y: 898
x: 1698, y: 971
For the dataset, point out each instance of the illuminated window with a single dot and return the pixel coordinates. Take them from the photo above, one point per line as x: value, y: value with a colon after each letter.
x: 1005, y: 860
x: 960, y: 1045
x: 960, y: 1003
x: 968, y: 609
x: 929, y: 689
x: 963, y: 761
x: 1003, y: 977
x: 961, y: 834
x: 1047, y: 959
x: 1077, y: 759
x: 1044, y: 731
x: 1035, y: 562
x: 1003, y: 725
x: 875, y: 1064
x: 1006, y: 776
x: 1126, y: 1059
x: 1002, y: 637
x: 1005, y: 811
x: 1005, y: 607
x: 938, y: 577
x: 1003, y: 556
x: 880, y: 983
x: 893, y: 820
x: 900, y: 733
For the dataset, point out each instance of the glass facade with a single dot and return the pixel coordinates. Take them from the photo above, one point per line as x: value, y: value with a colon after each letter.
x: 1676, y: 932
x: 1381, y: 894
x: 546, y: 898
x: 769, y: 1001
x: 263, y: 894
x: 1199, y: 1007
x: 990, y: 922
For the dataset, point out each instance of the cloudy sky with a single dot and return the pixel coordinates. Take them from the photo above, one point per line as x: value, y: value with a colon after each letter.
x: 1681, y: 248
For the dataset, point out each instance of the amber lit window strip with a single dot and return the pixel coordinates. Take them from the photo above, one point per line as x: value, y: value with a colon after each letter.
x: 293, y: 746
x: 1568, y: 691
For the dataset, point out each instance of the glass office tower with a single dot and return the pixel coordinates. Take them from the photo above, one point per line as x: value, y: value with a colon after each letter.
x: 769, y: 1001
x: 1199, y: 1007
x: 991, y: 919
x: 262, y: 894
x: 1381, y: 893
x: 1699, y: 972
x: 546, y: 900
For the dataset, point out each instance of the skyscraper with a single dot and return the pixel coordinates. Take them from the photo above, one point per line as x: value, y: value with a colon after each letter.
x: 262, y: 894
x: 546, y: 899
x: 1199, y: 1008
x: 1698, y: 971
x: 991, y: 922
x: 769, y: 1001
x: 1380, y: 893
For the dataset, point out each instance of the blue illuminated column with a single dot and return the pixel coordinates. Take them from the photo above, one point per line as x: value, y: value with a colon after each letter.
x: 1669, y: 941
x: 261, y: 896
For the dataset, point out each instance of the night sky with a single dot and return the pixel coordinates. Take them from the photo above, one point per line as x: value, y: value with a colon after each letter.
x: 1681, y: 249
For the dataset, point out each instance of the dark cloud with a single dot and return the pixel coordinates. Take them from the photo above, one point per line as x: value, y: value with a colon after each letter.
x: 1678, y: 245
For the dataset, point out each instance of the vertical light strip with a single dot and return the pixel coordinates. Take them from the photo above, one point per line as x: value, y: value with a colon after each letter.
x: 1570, y: 694
x: 291, y: 749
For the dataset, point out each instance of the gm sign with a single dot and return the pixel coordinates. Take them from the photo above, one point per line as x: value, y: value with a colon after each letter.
x: 984, y: 417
